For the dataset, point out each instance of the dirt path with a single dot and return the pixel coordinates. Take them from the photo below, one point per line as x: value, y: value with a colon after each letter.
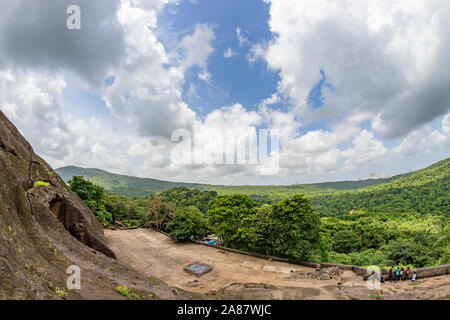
x: 245, y: 277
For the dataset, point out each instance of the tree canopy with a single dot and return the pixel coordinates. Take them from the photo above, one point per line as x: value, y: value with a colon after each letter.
x: 93, y: 196
x: 229, y: 217
x: 188, y: 223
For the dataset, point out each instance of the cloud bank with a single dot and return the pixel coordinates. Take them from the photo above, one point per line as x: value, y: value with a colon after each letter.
x: 379, y: 68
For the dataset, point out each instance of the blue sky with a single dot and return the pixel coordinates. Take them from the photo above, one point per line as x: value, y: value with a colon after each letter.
x: 233, y: 79
x: 347, y: 100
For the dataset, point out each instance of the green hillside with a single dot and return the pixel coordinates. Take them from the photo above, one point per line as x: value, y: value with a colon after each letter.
x: 121, y: 184
x: 272, y: 194
x: 140, y: 187
x: 423, y: 191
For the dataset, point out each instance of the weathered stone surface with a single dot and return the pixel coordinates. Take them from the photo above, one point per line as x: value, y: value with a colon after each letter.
x: 46, y: 229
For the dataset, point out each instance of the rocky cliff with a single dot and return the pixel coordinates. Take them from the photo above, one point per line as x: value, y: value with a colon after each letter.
x: 45, y: 228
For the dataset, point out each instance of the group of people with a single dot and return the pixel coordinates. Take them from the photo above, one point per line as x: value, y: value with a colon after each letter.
x: 401, y: 274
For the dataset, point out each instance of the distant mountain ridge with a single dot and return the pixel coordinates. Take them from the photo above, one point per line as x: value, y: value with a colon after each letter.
x: 423, y: 191
x: 139, y: 187
x: 123, y: 184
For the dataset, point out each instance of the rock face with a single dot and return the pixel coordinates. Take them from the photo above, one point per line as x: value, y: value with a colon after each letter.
x: 45, y: 228
x: 75, y: 216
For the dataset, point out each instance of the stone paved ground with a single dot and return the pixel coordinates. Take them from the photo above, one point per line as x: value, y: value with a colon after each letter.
x: 240, y: 276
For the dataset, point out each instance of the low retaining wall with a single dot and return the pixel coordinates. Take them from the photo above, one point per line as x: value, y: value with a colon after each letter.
x: 360, y: 271
x: 433, y: 271
x: 123, y: 228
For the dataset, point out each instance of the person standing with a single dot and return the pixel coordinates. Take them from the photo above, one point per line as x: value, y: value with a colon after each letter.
x: 397, y: 274
x: 414, y: 276
x: 407, y: 272
x: 401, y: 273
x: 391, y: 274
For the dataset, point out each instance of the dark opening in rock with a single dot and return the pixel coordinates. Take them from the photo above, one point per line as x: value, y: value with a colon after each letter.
x: 74, y: 222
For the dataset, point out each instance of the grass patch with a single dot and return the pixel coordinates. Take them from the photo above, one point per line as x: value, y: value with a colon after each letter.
x: 61, y: 293
x: 41, y: 183
x: 154, y: 278
x: 373, y: 296
x: 127, y: 293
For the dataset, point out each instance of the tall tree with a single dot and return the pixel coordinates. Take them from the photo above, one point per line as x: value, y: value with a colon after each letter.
x: 158, y: 213
x: 188, y: 223
x: 229, y: 217
x: 261, y: 232
x: 93, y: 196
x: 297, y: 228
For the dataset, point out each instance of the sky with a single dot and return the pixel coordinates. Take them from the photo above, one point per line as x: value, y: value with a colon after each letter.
x: 181, y: 90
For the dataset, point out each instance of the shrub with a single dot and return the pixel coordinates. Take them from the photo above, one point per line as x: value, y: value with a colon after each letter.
x: 346, y: 241
x: 93, y: 196
x: 124, y: 291
x: 340, y: 258
x: 61, y: 293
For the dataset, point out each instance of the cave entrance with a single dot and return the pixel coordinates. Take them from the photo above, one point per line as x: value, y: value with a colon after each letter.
x: 57, y: 206
x: 73, y: 221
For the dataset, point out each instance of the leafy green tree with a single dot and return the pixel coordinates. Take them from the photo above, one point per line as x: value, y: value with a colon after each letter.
x: 184, y: 197
x: 188, y: 223
x: 93, y: 196
x: 158, y: 213
x: 440, y: 252
x: 368, y: 257
x: 86, y: 190
x: 402, y: 252
x: 229, y: 217
x: 297, y: 228
x: 346, y: 241
x: 340, y: 258
x: 117, y: 206
x: 261, y: 234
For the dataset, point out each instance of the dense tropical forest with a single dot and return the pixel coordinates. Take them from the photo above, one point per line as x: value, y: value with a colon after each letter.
x: 402, y: 220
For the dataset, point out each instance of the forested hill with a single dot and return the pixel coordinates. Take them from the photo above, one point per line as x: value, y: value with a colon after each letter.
x: 423, y: 191
x: 141, y: 187
x: 122, y: 184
